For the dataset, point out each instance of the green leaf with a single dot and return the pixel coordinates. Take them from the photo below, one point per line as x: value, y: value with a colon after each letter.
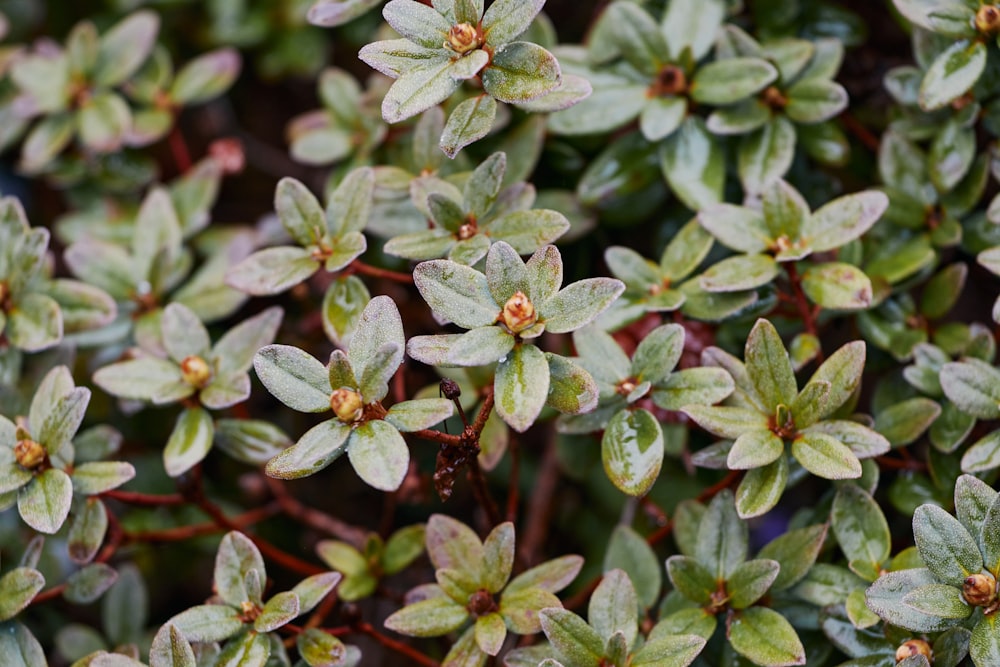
x: 679, y: 650
x: 725, y: 421
x: 490, y: 632
x: 571, y: 388
x: 170, y: 649
x: 739, y: 273
x: 658, y: 353
x: 628, y: 551
x: 795, y: 551
x: 552, y: 575
x: 730, y: 80
x: 902, y: 423
x: 843, y: 370
x: 661, y: 116
x: 86, y: 532
x: 952, y: 74
x: 272, y: 270
x: 692, y: 24
x: 342, y: 305
x: 989, y: 538
x: 236, y: 557
x: 764, y: 636
x: 973, y: 499
x: 579, y: 303
x: 300, y: 212
x: 974, y: 386
x: 248, y: 648
x: 379, y: 455
x: 44, y: 503
x: 424, y: 25
x: 456, y: 293
x: 469, y: 122
x: 417, y: 414
x: 750, y: 581
x: 104, y: 120
x: 983, y: 454
x: 428, y: 618
x: 945, y: 546
x: 769, y: 367
x: 208, y: 623
x: 521, y: 72
x: 294, y: 377
x: 330, y: 13
x: 815, y: 100
x: 318, y: 648
x: 189, y: 442
x: 939, y: 600
x: 89, y: 583
x: 124, y: 48
x: 19, y: 646
x: 722, y: 538
x: 613, y: 607
x: 943, y: 290
x: 34, y: 323
x: 761, y: 488
x: 63, y: 420
x: 766, y: 154
x: 984, y: 645
x: 234, y: 352
x: 825, y: 456
x: 506, y: 19
x: 17, y: 589
x: 700, y: 385
x: 755, y: 449
x: 93, y: 477
x: 693, y: 162
x: 838, y: 286
x: 521, y: 386
x: 861, y: 528
x: 574, y: 641
x: 207, y: 76
x: 844, y: 219
x: 183, y: 333
x: 632, y: 451
x: 278, y: 611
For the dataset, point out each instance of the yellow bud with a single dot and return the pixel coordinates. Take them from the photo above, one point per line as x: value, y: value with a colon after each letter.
x: 913, y: 647
x: 519, y: 313
x: 980, y: 589
x: 988, y: 19
x: 462, y: 38
x: 29, y: 454
x: 347, y: 405
x: 196, y: 371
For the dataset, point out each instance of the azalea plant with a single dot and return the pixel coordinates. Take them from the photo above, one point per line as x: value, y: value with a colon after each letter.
x: 656, y: 333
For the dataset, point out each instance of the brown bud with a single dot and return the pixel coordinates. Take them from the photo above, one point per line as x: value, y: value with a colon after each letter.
x: 467, y: 230
x: 988, y: 19
x: 347, y: 405
x: 980, y: 589
x: 196, y: 371
x: 625, y: 387
x: 462, y: 38
x: 913, y: 647
x: 29, y: 454
x: 519, y: 313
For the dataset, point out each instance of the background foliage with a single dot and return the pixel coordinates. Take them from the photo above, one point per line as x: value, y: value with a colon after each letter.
x: 615, y: 333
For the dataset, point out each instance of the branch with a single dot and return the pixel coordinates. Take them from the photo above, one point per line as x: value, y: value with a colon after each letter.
x: 315, y: 518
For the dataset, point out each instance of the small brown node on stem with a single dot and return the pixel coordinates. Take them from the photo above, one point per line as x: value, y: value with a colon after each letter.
x: 670, y: 80
x: 481, y: 603
x: 196, y: 371
x: 913, y: 647
x: 773, y: 98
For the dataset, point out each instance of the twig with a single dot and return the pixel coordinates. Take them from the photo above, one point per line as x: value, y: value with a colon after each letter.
x: 358, y: 266
x: 147, y: 499
x: 540, y: 505
x: 397, y: 646
x: 315, y: 518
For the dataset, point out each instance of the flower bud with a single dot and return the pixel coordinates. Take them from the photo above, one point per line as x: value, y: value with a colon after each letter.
x: 462, y: 38
x: 29, y: 454
x: 913, y: 647
x: 988, y: 19
x: 196, y: 371
x: 347, y: 405
x: 519, y: 313
x: 980, y: 589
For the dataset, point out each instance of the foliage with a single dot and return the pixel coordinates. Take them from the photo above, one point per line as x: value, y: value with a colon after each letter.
x: 655, y: 333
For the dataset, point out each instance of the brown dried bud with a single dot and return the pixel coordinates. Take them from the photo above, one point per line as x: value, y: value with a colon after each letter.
x: 196, y: 371
x: 462, y: 38
x: 29, y: 454
x: 467, y: 230
x: 519, y: 313
x: 988, y: 19
x: 980, y: 589
x: 450, y: 389
x: 913, y: 647
x: 481, y: 603
x: 347, y: 405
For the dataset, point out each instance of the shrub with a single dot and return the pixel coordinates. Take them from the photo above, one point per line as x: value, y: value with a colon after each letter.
x: 652, y: 333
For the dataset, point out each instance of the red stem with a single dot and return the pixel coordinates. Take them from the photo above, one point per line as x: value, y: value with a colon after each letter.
x: 397, y: 646
x: 182, y: 156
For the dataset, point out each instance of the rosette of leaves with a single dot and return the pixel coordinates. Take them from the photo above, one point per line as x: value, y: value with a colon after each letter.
x: 632, y: 441
x: 768, y: 422
x: 329, y: 239
x: 971, y: 26
x: 505, y: 310
x: 451, y: 42
x: 612, y: 635
x: 473, y: 583
x: 346, y: 127
x: 958, y: 584
x: 972, y: 386
x: 713, y: 576
x: 652, y: 287
x: 364, y: 569
x: 238, y: 616
x: 783, y: 232
x: 37, y: 468
x: 35, y: 309
x: 352, y: 385
x: 156, y: 267
x: 185, y: 367
x: 466, y: 222
x: 930, y: 191
x: 796, y: 108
